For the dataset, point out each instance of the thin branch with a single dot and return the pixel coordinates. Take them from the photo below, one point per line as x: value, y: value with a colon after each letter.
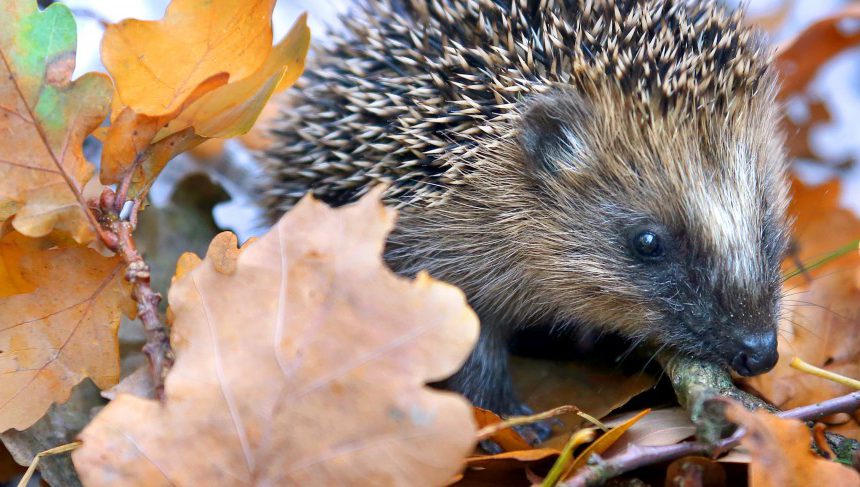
x: 841, y: 404
x: 157, y: 348
x: 639, y: 456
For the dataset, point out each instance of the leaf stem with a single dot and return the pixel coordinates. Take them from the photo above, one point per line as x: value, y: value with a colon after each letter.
x: 797, y: 363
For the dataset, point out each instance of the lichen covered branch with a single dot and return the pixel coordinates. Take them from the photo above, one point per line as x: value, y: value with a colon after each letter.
x: 696, y: 381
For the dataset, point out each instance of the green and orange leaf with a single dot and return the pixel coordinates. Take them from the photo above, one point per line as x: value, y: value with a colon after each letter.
x: 42, y: 168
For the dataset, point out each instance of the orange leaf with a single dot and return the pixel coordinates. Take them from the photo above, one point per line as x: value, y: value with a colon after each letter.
x: 12, y: 280
x: 156, y: 65
x: 130, y: 135
x: 800, y: 58
x: 781, y: 455
x: 42, y: 167
x: 61, y: 333
x: 232, y: 110
x: 192, y: 102
x: 301, y: 360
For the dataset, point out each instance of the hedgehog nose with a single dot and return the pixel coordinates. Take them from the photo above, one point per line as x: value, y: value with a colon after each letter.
x: 757, y: 354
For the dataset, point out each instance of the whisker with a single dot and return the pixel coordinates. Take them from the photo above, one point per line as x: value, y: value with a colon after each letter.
x: 816, y: 305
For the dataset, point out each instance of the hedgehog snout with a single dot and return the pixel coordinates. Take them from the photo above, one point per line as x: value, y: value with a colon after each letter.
x: 755, y: 353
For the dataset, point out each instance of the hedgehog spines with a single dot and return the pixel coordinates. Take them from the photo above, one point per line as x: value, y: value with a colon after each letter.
x: 402, y: 95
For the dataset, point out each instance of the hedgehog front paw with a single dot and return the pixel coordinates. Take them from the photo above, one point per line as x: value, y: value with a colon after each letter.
x: 537, y: 432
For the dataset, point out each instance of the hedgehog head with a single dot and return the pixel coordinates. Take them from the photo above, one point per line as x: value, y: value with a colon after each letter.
x: 670, y: 227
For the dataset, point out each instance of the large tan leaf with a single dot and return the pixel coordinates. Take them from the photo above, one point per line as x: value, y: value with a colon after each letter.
x: 301, y: 360
x: 59, y: 334
x: 45, y: 117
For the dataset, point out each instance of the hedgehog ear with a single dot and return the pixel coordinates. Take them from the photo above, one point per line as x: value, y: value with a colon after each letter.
x: 549, y: 132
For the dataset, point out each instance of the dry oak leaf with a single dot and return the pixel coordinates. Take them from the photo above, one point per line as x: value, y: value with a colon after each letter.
x: 231, y: 110
x: 12, y: 281
x: 822, y: 326
x: 64, y: 331
x: 781, y: 454
x: 300, y: 360
x: 143, y: 139
x: 157, y: 65
x: 42, y: 167
x: 595, y: 389
x: 659, y: 428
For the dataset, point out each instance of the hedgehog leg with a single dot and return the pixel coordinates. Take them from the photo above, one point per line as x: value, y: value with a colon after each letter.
x: 485, y: 380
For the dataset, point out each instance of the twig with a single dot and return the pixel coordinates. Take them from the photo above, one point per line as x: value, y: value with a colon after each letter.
x: 797, y: 363
x: 25, y: 479
x: 157, y: 348
x: 639, y: 456
x: 696, y: 381
x: 591, y: 419
x: 841, y: 404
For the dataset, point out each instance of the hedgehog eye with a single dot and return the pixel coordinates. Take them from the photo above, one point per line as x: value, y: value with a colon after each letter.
x: 647, y: 245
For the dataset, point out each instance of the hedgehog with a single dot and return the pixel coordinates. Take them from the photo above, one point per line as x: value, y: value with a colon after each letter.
x: 601, y: 165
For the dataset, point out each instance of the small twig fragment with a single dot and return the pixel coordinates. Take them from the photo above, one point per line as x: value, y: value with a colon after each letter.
x: 797, y: 363
x: 591, y: 419
x: 25, y: 479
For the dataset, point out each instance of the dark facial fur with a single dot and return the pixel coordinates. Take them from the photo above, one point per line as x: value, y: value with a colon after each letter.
x: 531, y: 143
